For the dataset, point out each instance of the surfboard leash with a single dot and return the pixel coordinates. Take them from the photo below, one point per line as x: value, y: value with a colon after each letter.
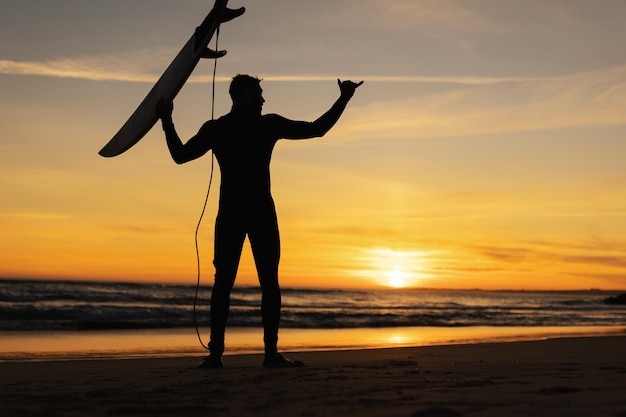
x: 206, y: 199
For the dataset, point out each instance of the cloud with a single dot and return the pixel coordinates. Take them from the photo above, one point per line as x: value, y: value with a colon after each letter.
x: 96, y: 68
x: 556, y: 255
x: 145, y: 67
x: 467, y: 105
x: 591, y: 98
x: 34, y: 216
x: 488, y: 16
x: 450, y: 14
x: 598, y: 214
x: 614, y: 280
x: 402, y: 79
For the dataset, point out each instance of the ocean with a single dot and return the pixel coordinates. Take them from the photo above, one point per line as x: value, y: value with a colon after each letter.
x: 57, y: 310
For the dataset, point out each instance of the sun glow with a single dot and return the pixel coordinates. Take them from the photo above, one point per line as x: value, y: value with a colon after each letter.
x: 397, y: 278
x: 395, y: 268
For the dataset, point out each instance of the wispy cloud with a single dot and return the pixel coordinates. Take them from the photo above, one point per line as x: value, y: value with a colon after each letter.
x: 34, y: 216
x: 403, y: 79
x: 427, y: 14
x: 146, y: 68
x: 556, y: 255
x: 591, y: 98
x: 480, y: 105
x: 485, y: 16
x: 88, y: 68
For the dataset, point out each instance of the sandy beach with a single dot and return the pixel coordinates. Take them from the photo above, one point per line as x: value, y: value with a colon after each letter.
x: 583, y: 376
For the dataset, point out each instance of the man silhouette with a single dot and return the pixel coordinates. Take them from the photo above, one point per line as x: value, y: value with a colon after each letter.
x: 242, y: 142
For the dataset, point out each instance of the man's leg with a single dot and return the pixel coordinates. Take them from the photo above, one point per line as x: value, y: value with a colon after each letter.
x: 229, y: 237
x: 265, y: 244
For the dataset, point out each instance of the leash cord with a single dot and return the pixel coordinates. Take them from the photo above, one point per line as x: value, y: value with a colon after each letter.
x: 206, y: 199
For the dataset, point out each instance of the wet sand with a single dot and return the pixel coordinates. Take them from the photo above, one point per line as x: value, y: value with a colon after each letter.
x: 559, y: 377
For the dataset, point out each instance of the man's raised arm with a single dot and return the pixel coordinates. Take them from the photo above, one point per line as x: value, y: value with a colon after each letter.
x: 181, y: 153
x: 304, y: 130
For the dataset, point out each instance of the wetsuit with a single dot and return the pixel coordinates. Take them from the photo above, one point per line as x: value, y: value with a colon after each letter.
x: 242, y: 144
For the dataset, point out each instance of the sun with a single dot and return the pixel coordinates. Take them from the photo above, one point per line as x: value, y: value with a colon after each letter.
x: 396, y: 268
x: 397, y: 278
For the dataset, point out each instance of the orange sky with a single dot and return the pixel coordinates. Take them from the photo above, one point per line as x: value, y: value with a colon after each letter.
x: 485, y: 149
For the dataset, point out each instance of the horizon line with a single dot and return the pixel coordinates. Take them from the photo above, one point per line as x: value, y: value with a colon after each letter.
x: 292, y: 287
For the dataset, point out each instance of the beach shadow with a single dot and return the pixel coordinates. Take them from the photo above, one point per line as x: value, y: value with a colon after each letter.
x: 437, y: 412
x: 558, y: 390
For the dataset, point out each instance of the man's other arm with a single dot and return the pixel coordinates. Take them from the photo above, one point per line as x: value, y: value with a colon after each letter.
x: 305, y: 130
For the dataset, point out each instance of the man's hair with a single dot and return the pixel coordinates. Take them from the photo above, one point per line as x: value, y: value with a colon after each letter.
x: 241, y: 84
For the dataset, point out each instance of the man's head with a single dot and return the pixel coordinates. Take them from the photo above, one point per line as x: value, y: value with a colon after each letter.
x: 246, y: 93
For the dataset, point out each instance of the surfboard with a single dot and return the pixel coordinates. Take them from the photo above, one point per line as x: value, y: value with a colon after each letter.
x: 172, y: 80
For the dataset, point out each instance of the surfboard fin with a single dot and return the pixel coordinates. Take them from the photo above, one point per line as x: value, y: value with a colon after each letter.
x: 229, y: 14
x: 225, y: 15
x: 212, y: 54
